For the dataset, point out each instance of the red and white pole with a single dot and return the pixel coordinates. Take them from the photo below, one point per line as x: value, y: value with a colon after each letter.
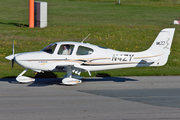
x: 31, y: 13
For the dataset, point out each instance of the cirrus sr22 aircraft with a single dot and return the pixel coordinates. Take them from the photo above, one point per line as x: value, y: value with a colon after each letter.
x: 76, y: 57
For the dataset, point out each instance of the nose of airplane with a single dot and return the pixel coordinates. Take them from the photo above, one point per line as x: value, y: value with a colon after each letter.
x: 10, y: 57
x: 19, y: 59
x: 24, y: 59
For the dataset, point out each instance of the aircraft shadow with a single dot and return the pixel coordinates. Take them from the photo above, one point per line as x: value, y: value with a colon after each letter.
x: 10, y: 79
x: 40, y: 82
x: 58, y: 81
x: 115, y: 79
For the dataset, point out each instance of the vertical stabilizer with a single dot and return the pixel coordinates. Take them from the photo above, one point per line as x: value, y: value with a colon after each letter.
x: 162, y: 45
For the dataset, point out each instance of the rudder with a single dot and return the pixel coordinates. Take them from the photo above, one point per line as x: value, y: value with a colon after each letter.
x: 162, y: 45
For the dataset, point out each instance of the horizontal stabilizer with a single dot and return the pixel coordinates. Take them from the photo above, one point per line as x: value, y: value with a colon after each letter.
x: 147, y: 61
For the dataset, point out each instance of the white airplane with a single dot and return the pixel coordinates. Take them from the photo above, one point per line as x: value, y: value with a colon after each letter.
x: 76, y: 57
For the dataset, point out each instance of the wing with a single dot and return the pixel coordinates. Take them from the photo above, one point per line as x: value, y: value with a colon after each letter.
x: 75, y: 67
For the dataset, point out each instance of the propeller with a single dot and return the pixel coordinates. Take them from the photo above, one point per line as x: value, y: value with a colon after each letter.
x: 12, y: 62
x: 11, y: 57
x: 13, y: 54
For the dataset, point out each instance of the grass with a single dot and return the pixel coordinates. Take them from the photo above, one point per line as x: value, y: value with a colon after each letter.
x: 131, y: 26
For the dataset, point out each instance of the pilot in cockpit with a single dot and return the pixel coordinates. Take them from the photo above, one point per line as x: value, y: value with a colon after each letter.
x: 65, y: 50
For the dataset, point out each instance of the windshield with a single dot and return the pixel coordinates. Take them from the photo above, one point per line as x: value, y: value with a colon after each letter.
x: 50, y: 48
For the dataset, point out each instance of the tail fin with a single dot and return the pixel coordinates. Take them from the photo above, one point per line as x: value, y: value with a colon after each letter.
x: 162, y: 45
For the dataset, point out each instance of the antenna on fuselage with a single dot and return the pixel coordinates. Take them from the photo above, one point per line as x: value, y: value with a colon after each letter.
x: 85, y: 38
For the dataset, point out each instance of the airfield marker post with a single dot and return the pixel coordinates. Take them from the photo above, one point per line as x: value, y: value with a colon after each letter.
x: 31, y: 13
x: 40, y: 14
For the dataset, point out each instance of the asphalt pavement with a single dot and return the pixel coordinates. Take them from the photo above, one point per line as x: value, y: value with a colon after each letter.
x: 96, y: 98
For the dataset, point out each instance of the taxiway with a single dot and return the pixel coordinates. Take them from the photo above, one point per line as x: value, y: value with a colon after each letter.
x: 108, y: 98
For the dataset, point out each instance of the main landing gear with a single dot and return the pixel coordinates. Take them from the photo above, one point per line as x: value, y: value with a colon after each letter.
x: 71, y: 79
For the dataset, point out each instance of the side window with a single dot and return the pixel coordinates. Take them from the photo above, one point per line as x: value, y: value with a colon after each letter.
x: 84, y: 51
x: 66, y: 49
x: 50, y: 48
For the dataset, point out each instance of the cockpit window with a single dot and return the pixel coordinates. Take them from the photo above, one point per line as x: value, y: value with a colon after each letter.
x: 84, y: 51
x: 66, y: 49
x: 50, y: 48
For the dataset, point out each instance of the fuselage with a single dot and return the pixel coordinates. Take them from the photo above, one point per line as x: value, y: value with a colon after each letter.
x: 82, y: 55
